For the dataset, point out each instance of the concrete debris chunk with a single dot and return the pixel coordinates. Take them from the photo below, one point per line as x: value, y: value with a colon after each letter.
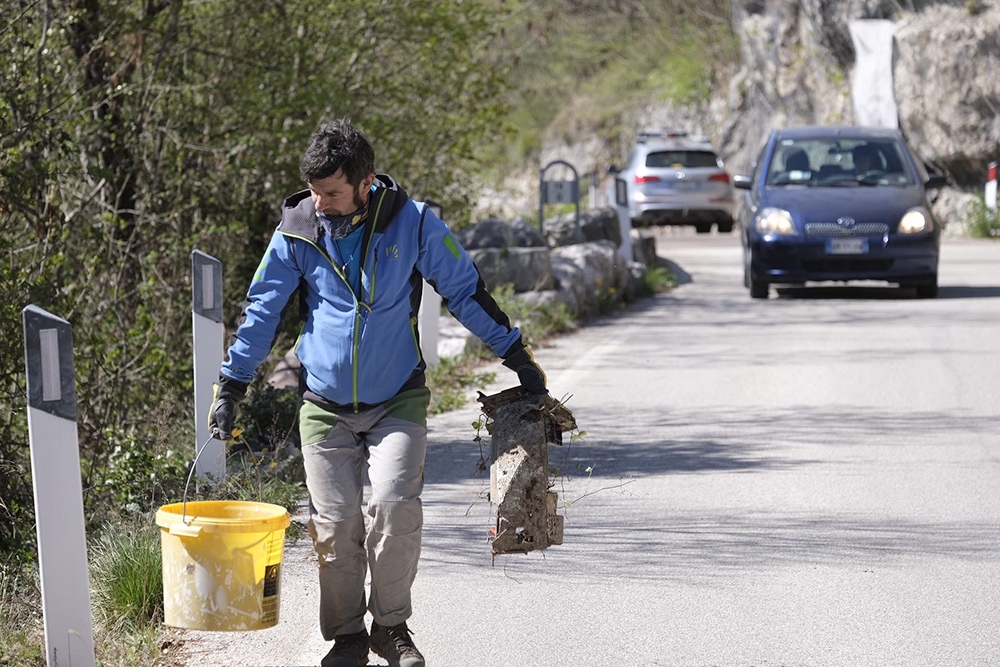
x: 523, y: 426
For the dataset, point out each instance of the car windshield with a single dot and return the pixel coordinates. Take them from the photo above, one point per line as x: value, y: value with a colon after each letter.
x: 681, y: 158
x: 839, y: 162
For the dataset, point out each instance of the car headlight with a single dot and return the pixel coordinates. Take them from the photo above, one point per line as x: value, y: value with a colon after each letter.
x: 775, y: 221
x: 914, y: 222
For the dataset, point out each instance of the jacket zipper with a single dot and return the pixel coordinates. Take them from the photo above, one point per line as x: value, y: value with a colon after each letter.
x: 358, y: 303
x: 357, y: 315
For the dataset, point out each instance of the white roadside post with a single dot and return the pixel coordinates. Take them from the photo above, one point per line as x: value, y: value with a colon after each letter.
x: 990, y: 194
x: 618, y: 198
x: 429, y: 317
x: 206, y: 315
x: 55, y: 472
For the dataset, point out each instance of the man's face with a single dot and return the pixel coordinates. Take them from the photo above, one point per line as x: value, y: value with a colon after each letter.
x: 333, y: 195
x: 862, y: 162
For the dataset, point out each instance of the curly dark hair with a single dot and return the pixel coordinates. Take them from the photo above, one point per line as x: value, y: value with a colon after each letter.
x: 338, y: 145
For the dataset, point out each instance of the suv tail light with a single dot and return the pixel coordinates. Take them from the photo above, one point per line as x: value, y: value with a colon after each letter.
x: 639, y: 180
x: 722, y: 178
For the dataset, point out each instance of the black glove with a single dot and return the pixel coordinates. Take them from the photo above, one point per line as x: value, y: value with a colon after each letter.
x: 228, y: 392
x: 520, y: 360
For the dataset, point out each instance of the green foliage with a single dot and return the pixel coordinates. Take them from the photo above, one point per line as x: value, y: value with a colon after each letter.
x: 657, y: 279
x: 980, y: 221
x: 21, y: 281
x: 451, y: 379
x: 136, y: 472
x: 588, y: 66
x: 126, y: 575
x: 269, y: 417
x: 265, y: 477
x: 131, y: 134
x: 537, y: 321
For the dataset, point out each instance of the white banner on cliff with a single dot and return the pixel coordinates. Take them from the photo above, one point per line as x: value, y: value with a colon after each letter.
x: 871, y: 82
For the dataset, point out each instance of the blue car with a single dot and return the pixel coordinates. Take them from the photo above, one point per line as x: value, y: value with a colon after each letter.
x: 838, y: 204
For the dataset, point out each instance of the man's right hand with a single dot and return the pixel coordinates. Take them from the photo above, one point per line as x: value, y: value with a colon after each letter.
x: 228, y: 392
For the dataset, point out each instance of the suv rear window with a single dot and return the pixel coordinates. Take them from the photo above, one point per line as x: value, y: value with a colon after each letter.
x: 661, y: 159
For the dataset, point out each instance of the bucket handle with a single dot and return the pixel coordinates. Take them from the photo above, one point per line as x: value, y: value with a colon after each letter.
x: 187, y: 484
x: 215, y: 432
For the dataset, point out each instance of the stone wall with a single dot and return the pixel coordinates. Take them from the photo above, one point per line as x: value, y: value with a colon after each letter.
x: 577, y: 263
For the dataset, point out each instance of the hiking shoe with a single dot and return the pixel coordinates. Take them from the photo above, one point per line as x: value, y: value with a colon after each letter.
x: 348, y: 651
x: 395, y: 645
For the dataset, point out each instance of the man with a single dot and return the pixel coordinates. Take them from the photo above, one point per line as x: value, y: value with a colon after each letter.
x: 866, y: 158
x: 359, y: 247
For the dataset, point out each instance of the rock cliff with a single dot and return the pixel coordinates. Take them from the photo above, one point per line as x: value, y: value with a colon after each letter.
x: 797, y: 64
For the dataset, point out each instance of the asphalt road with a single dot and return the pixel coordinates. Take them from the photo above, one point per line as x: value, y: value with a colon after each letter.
x: 808, y: 480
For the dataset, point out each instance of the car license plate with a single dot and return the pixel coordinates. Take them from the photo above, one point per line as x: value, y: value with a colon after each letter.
x: 847, y: 246
x: 683, y: 186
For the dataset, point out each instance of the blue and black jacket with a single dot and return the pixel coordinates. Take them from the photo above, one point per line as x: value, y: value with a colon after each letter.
x: 362, y: 349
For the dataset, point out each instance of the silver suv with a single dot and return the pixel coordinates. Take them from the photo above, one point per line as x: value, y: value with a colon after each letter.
x: 671, y: 179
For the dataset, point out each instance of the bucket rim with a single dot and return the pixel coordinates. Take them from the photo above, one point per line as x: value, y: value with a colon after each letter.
x: 225, y: 516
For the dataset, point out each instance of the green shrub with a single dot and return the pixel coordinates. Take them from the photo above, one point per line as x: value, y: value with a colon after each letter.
x: 980, y: 221
x: 274, y: 477
x: 269, y: 417
x: 535, y: 322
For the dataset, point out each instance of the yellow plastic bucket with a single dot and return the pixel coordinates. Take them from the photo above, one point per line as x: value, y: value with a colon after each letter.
x: 222, y: 564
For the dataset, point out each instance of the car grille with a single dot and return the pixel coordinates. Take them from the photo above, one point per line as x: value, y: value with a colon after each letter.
x: 859, y: 229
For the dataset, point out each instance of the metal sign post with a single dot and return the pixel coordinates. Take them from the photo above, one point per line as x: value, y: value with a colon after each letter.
x: 206, y: 316
x: 558, y: 192
x: 55, y: 472
x: 429, y: 317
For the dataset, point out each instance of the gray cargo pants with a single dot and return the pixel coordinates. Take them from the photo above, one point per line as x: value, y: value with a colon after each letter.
x: 392, y: 438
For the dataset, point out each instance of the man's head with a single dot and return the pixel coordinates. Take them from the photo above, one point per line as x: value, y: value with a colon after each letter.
x: 865, y: 158
x: 339, y: 166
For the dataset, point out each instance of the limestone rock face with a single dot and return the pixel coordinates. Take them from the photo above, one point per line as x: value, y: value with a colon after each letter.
x: 796, y: 64
x: 947, y: 86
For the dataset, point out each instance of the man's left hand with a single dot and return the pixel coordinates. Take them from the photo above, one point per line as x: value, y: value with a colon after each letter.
x: 529, y: 373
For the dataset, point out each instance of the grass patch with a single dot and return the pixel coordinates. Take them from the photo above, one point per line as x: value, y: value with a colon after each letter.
x: 22, y: 642
x: 658, y: 279
x: 127, y: 576
x: 980, y: 221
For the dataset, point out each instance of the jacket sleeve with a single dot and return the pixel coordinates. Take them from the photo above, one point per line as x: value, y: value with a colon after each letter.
x: 446, y: 265
x: 274, y: 282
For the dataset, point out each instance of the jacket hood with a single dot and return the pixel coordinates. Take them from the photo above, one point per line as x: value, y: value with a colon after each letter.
x: 299, y: 216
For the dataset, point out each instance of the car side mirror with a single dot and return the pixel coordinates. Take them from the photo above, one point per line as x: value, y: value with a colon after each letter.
x: 936, y: 181
x: 742, y: 182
